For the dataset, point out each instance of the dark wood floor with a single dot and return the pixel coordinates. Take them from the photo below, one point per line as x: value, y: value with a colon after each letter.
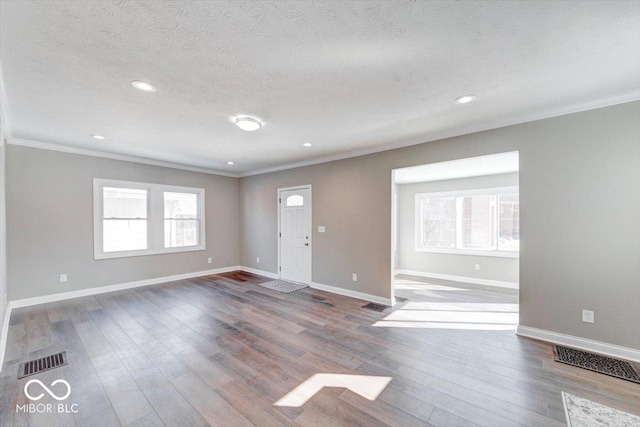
x: 221, y: 350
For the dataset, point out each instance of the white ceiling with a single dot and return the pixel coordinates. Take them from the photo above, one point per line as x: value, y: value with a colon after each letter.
x: 344, y: 76
x: 492, y: 164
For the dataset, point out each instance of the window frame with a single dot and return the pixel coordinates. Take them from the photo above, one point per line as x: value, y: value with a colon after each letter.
x: 496, y: 191
x: 155, y: 218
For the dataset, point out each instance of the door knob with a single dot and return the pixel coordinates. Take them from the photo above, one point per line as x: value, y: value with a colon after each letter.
x: 306, y: 244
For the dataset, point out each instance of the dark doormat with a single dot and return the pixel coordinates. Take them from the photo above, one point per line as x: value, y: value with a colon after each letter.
x: 597, y: 363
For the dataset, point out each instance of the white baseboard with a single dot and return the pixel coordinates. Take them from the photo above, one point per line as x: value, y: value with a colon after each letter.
x: 464, y: 279
x: 259, y: 272
x: 580, y: 343
x: 350, y: 293
x: 118, y: 287
x: 326, y: 288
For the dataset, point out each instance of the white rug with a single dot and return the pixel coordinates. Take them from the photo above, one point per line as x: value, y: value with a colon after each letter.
x: 585, y: 413
x: 283, y: 286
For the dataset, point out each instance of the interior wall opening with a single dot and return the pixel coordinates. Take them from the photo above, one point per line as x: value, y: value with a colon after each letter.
x: 456, y: 245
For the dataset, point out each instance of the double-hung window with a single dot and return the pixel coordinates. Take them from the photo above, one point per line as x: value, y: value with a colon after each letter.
x: 475, y: 222
x: 135, y: 218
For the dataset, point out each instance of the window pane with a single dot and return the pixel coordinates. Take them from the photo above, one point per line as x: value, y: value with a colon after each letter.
x: 124, y: 235
x: 438, y: 222
x: 124, y: 203
x: 180, y: 232
x: 295, y: 200
x: 477, y: 222
x: 509, y: 222
x: 180, y: 205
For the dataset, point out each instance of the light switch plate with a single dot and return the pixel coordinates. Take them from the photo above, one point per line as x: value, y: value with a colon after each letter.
x: 321, y: 229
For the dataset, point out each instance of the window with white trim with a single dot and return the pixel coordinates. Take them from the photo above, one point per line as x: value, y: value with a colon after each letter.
x: 135, y: 218
x: 475, y: 222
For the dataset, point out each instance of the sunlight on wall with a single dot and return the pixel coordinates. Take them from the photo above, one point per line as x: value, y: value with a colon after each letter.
x: 366, y: 386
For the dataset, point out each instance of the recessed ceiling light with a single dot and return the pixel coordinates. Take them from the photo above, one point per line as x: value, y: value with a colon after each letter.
x: 307, y: 144
x: 230, y: 163
x: 466, y: 99
x: 97, y: 136
x: 143, y: 86
x: 248, y: 123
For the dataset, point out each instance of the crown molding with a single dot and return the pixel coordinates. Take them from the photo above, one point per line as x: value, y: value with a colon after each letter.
x: 547, y: 114
x: 123, y: 157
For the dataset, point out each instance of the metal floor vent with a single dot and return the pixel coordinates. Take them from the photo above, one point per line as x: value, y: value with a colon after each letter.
x: 596, y: 363
x: 46, y: 363
x: 375, y: 307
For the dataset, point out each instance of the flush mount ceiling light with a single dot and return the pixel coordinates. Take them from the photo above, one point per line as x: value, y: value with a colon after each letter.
x: 307, y: 144
x: 97, y: 136
x: 466, y: 99
x: 248, y: 123
x: 143, y: 86
x: 231, y: 163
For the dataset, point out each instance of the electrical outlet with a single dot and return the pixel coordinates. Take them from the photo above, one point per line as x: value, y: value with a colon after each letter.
x: 354, y: 277
x: 209, y: 260
x: 588, y: 316
x: 63, y: 278
x: 258, y: 260
x: 477, y: 267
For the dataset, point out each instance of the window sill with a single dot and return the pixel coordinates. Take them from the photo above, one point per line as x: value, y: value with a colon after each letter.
x: 131, y: 254
x: 496, y: 254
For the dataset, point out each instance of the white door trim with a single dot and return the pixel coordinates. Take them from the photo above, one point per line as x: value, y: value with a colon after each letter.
x: 278, y: 201
x: 394, y: 236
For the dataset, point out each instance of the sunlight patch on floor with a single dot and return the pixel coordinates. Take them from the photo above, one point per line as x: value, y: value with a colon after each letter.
x: 366, y: 386
x: 462, y: 306
x: 452, y: 315
x: 416, y: 286
x: 443, y: 325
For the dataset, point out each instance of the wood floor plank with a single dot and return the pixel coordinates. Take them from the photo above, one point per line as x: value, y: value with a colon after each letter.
x: 221, y: 350
x: 252, y: 406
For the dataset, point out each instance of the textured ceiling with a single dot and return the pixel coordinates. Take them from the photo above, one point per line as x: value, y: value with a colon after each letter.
x: 342, y: 75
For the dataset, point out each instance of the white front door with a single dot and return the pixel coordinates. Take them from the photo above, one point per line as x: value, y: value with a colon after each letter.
x: 295, y: 235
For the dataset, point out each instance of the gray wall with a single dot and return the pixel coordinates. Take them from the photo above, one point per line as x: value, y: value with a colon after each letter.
x: 50, y: 222
x: 491, y: 268
x: 3, y: 232
x: 580, y: 222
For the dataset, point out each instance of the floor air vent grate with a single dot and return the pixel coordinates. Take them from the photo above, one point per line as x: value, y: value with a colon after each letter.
x: 597, y: 363
x: 375, y: 307
x: 46, y: 363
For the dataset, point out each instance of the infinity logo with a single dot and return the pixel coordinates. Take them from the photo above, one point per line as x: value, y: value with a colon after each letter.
x: 52, y: 394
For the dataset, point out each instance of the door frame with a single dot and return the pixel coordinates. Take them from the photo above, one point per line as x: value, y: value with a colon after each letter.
x: 278, y: 202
